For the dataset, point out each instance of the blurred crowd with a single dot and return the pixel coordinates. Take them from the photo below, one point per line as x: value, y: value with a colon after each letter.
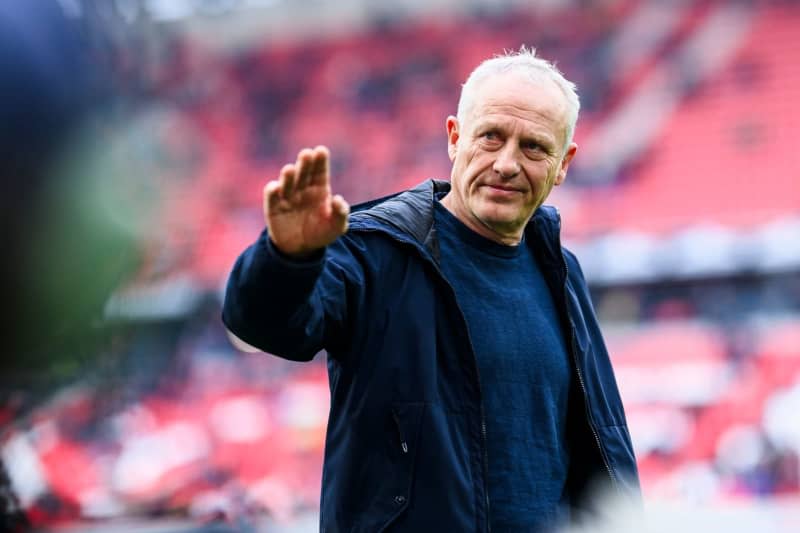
x: 206, y: 432
x: 163, y: 417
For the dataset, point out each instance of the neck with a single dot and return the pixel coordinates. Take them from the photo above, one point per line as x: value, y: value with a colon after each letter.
x: 510, y: 238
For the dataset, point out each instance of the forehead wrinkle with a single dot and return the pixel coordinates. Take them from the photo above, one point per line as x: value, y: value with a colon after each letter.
x: 516, y: 103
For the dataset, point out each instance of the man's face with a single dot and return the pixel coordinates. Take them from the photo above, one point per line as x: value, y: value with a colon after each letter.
x: 507, y: 155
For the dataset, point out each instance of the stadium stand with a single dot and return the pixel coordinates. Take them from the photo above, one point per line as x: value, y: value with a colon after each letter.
x: 696, y: 190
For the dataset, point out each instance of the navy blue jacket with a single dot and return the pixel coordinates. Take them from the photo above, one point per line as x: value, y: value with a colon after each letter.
x: 406, y: 441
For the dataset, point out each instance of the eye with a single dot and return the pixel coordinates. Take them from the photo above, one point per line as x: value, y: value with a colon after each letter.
x: 534, y: 150
x: 532, y: 146
x: 491, y: 139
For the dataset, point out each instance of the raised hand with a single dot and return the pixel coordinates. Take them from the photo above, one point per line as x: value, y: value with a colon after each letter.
x: 299, y: 210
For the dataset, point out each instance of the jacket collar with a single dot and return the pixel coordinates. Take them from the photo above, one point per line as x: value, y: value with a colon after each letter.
x: 408, y: 216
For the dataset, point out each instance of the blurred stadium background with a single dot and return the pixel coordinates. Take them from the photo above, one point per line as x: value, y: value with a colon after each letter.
x: 683, y: 205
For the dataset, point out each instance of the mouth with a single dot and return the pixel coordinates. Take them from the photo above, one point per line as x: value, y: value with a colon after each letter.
x: 501, y: 189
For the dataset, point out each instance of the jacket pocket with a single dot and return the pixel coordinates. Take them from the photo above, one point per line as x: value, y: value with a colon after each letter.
x: 393, y: 493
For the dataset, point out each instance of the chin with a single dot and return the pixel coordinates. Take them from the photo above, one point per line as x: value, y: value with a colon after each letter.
x: 501, y: 225
x: 500, y: 216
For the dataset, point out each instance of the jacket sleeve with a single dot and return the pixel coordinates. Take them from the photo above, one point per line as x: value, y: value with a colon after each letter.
x: 292, y: 308
x: 613, y: 432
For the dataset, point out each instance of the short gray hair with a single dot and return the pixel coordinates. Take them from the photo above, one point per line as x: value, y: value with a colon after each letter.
x: 524, y: 61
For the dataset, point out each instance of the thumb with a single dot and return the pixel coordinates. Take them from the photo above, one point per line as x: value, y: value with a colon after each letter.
x: 339, y: 211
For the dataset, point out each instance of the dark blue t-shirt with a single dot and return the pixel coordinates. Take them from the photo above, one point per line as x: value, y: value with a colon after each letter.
x: 524, y: 372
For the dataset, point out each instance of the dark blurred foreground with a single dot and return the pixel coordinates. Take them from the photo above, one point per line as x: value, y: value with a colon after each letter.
x: 129, y: 185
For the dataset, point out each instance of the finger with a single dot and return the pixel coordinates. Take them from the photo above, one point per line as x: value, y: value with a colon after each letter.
x: 339, y: 211
x: 271, y: 196
x: 287, y: 180
x: 320, y: 173
x: 304, y: 164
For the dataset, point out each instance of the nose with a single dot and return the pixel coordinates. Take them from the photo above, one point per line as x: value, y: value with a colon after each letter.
x: 506, y: 163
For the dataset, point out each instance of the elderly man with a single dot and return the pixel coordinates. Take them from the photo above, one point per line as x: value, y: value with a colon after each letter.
x: 470, y: 386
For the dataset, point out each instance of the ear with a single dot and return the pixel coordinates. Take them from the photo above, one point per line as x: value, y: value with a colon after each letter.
x: 452, y: 137
x: 568, y: 155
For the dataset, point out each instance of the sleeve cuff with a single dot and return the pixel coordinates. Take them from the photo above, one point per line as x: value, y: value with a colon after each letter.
x: 312, y: 261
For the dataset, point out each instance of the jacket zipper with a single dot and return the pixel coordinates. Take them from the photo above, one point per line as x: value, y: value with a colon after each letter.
x: 574, y: 353
x: 477, y: 375
x: 403, y: 442
x: 482, y: 409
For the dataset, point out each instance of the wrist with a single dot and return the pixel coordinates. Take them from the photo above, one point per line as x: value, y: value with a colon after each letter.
x: 310, y: 256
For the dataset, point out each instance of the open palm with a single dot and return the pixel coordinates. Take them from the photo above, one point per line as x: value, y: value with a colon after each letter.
x: 301, y: 214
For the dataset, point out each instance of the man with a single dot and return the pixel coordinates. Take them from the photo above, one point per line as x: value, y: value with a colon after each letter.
x: 470, y: 386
